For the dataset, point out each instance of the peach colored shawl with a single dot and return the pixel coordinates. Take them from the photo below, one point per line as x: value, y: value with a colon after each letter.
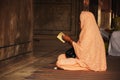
x: 90, y: 46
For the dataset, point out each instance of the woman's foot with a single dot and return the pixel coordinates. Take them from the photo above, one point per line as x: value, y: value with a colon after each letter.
x: 57, y: 68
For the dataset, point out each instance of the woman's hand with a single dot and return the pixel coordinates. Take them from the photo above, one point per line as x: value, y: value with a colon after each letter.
x: 67, y: 39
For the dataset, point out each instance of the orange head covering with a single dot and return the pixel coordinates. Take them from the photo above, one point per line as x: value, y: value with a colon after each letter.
x: 90, y: 48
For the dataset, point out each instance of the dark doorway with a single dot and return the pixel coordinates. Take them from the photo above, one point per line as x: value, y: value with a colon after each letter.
x: 52, y: 17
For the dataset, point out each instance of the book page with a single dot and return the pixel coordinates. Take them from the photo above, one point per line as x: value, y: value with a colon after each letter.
x: 59, y: 36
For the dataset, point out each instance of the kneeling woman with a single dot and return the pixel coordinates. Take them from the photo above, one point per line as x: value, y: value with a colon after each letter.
x: 89, y: 49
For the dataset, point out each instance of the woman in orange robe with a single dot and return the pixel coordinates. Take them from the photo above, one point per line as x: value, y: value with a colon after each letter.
x: 89, y: 49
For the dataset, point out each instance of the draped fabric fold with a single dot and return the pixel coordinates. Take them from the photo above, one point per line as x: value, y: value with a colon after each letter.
x: 89, y: 48
x: 114, y: 44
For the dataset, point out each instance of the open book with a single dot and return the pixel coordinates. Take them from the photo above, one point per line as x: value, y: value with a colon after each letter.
x: 59, y: 36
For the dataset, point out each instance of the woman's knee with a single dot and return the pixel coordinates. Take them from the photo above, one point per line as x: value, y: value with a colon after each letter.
x: 61, y: 56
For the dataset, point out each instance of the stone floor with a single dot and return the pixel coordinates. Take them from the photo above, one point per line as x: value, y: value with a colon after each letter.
x: 41, y: 67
